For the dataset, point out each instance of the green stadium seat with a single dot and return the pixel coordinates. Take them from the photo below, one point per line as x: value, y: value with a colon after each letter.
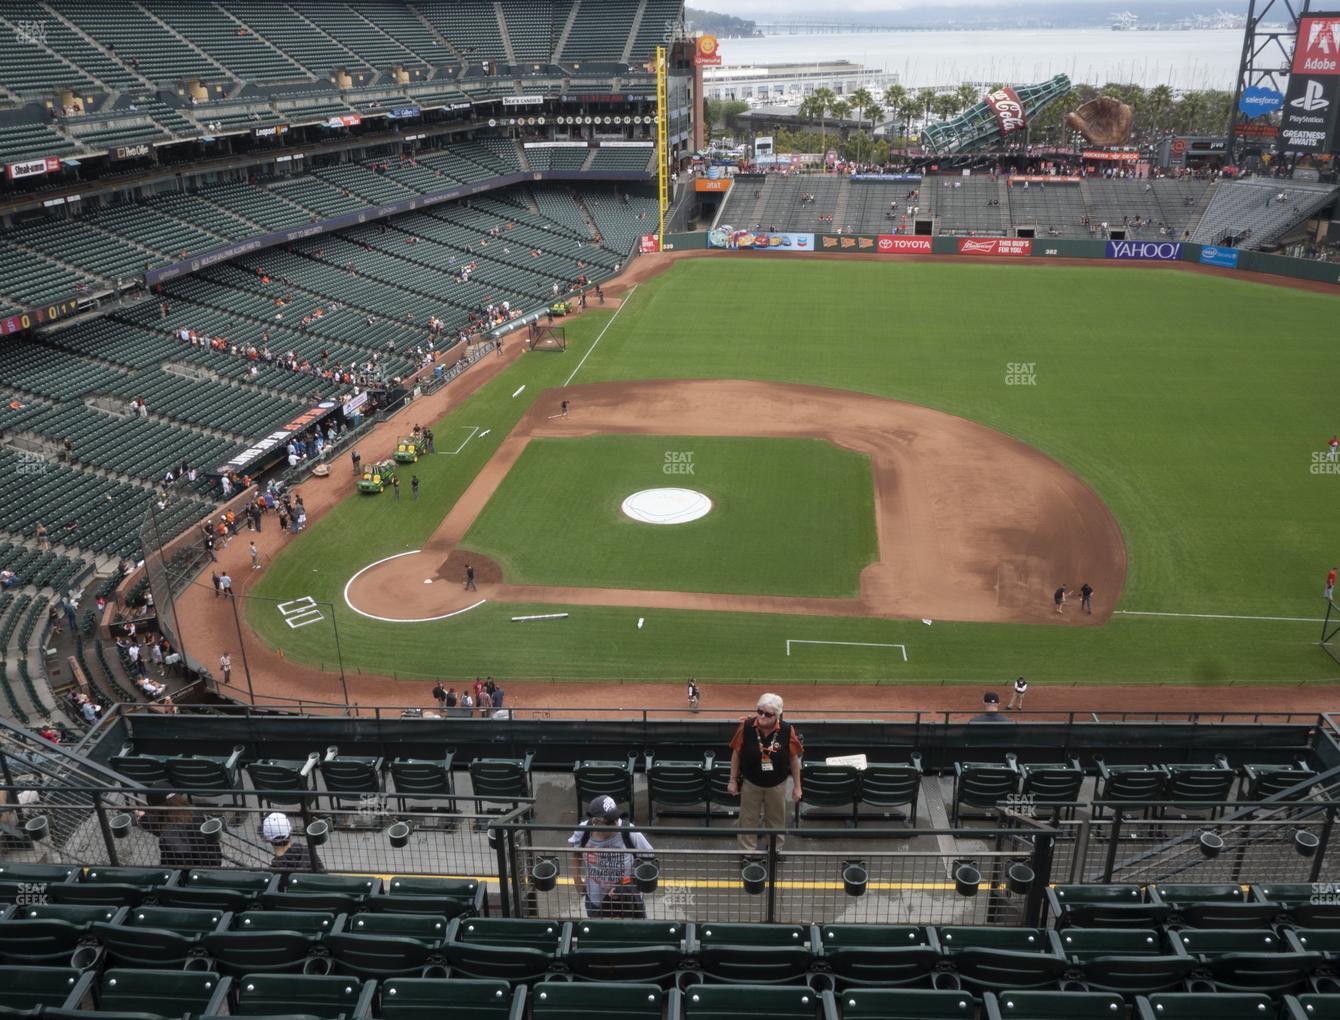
x: 510, y: 949
x: 1271, y: 973
x: 613, y: 1000
x: 611, y: 778
x: 734, y: 1002
x: 998, y: 959
x: 1262, y: 782
x: 1213, y: 906
x: 372, y: 956
x: 28, y: 988
x: 1051, y: 783
x: 626, y: 951
x: 1103, y: 906
x: 679, y: 785
x: 308, y: 922
x: 435, y: 998
x: 1080, y: 944
x: 1312, y: 1007
x: 720, y: 795
x: 877, y: 955
x: 886, y: 785
x: 302, y: 890
x: 1314, y: 940
x: 149, y: 770
x: 139, y: 941
x: 39, y: 942
x: 905, y: 1004
x: 80, y: 915
x: 211, y: 779
x: 1204, y: 1006
x: 1299, y: 903
x: 829, y: 786
x: 326, y: 996
x: 351, y: 778
x: 500, y: 780
x: 275, y: 950
x: 1130, y: 783
x: 20, y: 879
x: 1053, y: 1006
x: 450, y: 897
x: 1191, y: 783
x: 419, y: 783
x: 983, y: 785
x: 1137, y: 973
x: 167, y: 993
x: 430, y: 929
x: 143, y: 878
x: 284, y: 780
x: 1205, y: 943
x: 754, y: 954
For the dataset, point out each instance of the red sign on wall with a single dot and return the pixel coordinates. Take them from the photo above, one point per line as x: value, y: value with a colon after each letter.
x: 995, y: 246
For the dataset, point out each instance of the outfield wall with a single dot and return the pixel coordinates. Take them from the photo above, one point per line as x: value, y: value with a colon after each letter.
x: 791, y: 243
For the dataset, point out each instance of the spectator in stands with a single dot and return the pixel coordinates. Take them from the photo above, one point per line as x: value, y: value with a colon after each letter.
x: 603, y: 861
x: 990, y: 709
x: 288, y: 855
x: 8, y: 579
x: 764, y: 752
x: 48, y: 733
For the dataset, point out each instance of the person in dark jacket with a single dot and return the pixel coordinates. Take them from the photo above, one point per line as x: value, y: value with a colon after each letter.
x: 764, y: 752
x: 288, y: 855
x: 181, y: 844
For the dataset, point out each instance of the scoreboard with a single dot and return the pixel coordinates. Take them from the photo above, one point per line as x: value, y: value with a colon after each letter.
x: 38, y: 316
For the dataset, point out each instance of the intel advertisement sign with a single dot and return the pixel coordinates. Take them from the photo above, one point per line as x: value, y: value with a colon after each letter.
x: 1258, y: 100
x: 1226, y: 257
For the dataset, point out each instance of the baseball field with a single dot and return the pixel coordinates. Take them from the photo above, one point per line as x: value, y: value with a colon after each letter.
x: 904, y: 461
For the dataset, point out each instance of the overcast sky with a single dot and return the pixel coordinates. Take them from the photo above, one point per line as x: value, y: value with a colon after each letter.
x: 834, y: 11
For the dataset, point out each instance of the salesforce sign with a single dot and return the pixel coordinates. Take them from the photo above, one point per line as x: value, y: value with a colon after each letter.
x: 1258, y: 100
x: 1158, y: 251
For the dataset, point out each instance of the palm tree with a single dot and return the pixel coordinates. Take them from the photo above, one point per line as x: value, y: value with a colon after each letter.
x: 926, y: 102
x: 820, y: 102
x: 967, y: 96
x: 1159, y: 100
x: 946, y: 105
x: 863, y: 102
x: 906, y: 112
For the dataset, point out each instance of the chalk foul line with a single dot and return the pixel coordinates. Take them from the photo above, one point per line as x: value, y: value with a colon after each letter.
x: 601, y: 335
x: 1220, y: 616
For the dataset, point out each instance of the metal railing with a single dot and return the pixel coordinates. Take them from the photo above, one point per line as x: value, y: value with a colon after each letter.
x: 905, y: 876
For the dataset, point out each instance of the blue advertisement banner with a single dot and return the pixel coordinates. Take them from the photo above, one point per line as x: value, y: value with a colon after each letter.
x: 885, y: 177
x: 1154, y: 251
x: 1226, y: 257
x: 747, y: 240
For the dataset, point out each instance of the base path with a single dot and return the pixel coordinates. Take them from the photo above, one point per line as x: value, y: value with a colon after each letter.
x: 972, y: 525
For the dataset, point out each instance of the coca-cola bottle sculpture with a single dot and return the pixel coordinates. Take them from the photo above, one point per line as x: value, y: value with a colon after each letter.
x: 999, y: 116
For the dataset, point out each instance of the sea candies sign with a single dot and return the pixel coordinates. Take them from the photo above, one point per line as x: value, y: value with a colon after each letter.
x: 1155, y: 251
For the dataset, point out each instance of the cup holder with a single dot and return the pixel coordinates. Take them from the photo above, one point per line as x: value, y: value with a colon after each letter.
x: 544, y: 874
x: 86, y: 957
x: 945, y: 981
x: 821, y: 983
x: 686, y: 979
x: 318, y: 965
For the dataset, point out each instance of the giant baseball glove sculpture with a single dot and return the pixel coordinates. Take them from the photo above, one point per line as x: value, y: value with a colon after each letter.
x: 1103, y: 121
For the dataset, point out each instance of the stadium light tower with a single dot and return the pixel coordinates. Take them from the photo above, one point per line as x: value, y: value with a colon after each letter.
x: 1267, y: 51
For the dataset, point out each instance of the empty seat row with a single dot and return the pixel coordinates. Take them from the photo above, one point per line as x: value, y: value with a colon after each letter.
x: 1203, y: 906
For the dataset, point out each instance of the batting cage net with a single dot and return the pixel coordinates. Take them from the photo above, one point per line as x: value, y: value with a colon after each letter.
x: 540, y: 337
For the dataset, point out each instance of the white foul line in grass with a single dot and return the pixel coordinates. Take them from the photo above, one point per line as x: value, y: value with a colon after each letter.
x: 451, y: 453
x: 591, y: 351
x: 1222, y: 616
x: 852, y: 644
x: 518, y: 391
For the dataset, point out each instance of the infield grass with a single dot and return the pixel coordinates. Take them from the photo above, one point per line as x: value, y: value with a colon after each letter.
x: 789, y: 516
x: 1192, y: 404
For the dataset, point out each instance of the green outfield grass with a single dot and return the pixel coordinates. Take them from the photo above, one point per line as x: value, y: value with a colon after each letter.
x: 1192, y: 404
x: 789, y: 516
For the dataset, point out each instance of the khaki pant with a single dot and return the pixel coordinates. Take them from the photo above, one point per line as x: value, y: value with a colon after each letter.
x: 768, y: 801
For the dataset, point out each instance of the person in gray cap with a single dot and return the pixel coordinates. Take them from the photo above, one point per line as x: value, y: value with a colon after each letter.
x: 603, y: 861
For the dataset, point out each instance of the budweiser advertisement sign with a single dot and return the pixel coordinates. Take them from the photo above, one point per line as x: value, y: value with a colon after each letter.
x: 1009, y: 110
x: 898, y: 244
x: 1009, y: 246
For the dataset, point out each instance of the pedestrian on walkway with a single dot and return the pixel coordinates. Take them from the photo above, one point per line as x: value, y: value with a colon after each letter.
x: 470, y: 578
x: 1017, y: 698
x: 255, y: 558
x: 414, y: 486
x: 395, y: 488
x: 226, y: 584
x: 226, y: 666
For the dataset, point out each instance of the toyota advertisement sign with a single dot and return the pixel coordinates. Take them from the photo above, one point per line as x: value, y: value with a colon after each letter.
x: 1314, y: 87
x: 1150, y: 251
x: 997, y: 246
x: 900, y: 244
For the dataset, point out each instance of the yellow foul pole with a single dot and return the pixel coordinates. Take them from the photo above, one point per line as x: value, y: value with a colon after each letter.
x: 662, y: 148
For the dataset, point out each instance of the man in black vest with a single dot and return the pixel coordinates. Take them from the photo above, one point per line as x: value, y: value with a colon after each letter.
x: 764, y: 751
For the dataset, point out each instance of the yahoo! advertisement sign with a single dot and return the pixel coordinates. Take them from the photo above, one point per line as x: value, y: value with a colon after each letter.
x: 1156, y: 251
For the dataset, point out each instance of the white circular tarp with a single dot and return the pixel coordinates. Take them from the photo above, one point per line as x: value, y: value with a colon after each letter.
x: 666, y: 506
